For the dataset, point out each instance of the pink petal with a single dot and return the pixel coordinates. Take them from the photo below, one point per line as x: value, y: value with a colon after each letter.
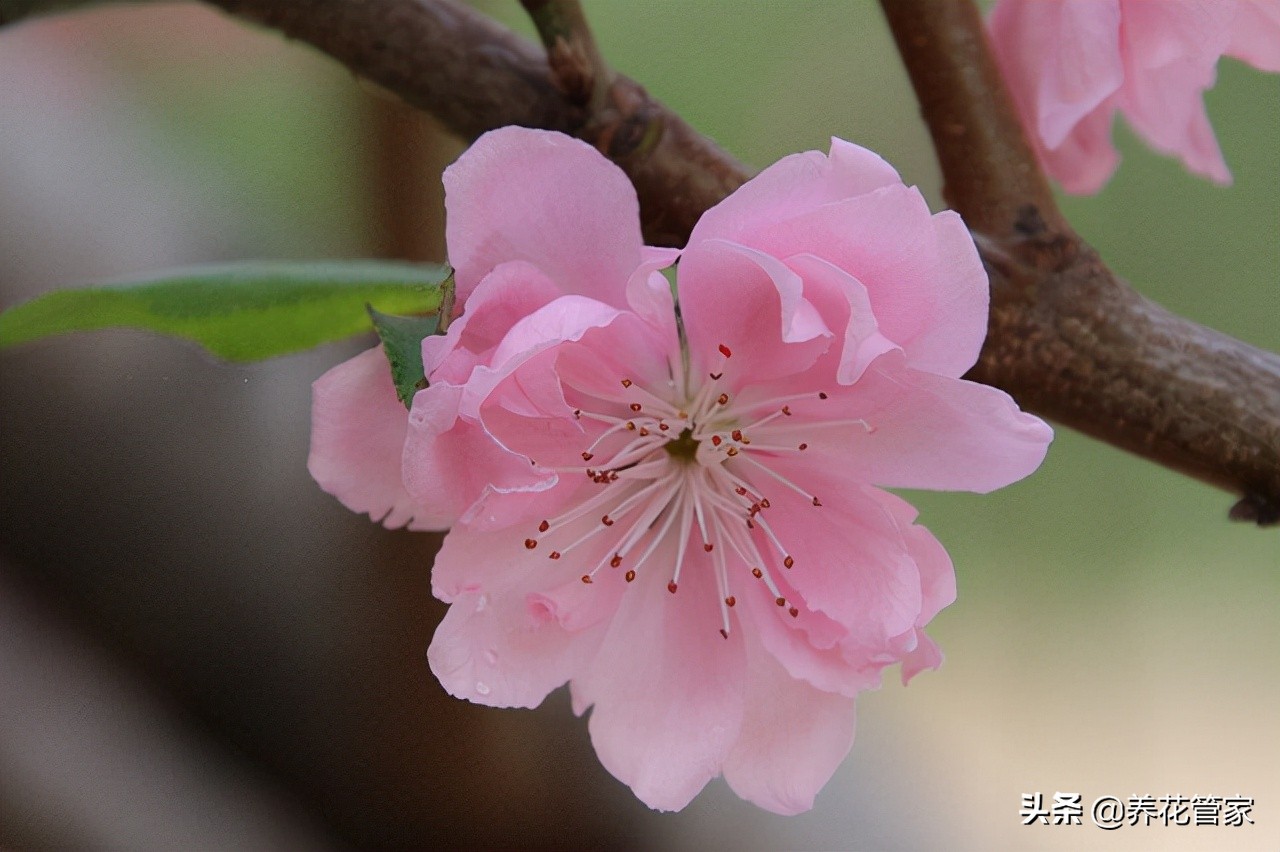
x: 850, y: 560
x: 808, y: 645
x: 926, y: 431
x: 921, y: 271
x: 667, y: 690
x: 751, y: 303
x: 926, y: 655
x: 937, y: 576
x: 1060, y: 60
x: 493, y: 647
x: 1255, y: 34
x: 527, y: 410
x: 453, y: 468
x: 506, y: 295
x: 793, y: 738
x: 1087, y: 158
x: 543, y: 197
x: 1171, y: 54
x: 843, y: 303
x: 791, y: 187
x: 358, y: 430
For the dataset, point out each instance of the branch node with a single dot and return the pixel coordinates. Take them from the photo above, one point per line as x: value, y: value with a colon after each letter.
x: 1256, y: 509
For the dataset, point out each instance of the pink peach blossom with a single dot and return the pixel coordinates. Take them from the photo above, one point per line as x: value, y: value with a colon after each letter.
x: 1072, y: 64
x: 671, y: 500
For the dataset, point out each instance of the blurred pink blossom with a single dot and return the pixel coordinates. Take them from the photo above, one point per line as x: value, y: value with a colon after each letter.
x: 1072, y: 64
x: 673, y: 504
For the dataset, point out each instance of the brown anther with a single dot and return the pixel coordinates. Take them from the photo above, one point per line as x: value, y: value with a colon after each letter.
x: 544, y: 526
x: 724, y: 633
x: 555, y: 554
x: 788, y: 562
x: 803, y: 447
x: 606, y: 520
x: 626, y: 383
x: 794, y: 612
x: 724, y: 350
x: 740, y: 491
x: 736, y: 434
x: 715, y: 377
x: 683, y: 415
x: 757, y: 573
x: 631, y: 427
x: 586, y: 578
x: 577, y: 412
x: 730, y: 601
x: 732, y: 451
x: 715, y: 440
x: 635, y: 406
x: 751, y: 524
x: 530, y: 543
x: 708, y: 546
x: 723, y: 399
x: 764, y: 503
x: 817, y: 502
x: 615, y: 561
x: 588, y: 456
x: 780, y: 601
x: 822, y: 395
x: 664, y: 427
x: 671, y: 587
x: 630, y: 575
x: 786, y: 409
x: 643, y: 433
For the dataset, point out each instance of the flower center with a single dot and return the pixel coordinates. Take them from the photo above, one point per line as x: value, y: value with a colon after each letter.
x: 667, y: 469
x: 684, y: 447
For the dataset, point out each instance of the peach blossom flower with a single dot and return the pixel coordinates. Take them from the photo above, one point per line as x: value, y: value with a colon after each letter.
x: 670, y: 498
x: 1072, y: 64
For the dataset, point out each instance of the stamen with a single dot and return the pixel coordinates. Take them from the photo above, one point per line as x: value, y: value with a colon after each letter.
x: 782, y: 479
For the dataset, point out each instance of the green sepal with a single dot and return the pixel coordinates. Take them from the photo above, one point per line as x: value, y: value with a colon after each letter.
x: 402, y: 343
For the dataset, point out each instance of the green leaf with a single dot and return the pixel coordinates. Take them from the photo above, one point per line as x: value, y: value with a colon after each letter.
x: 402, y: 342
x: 241, y: 311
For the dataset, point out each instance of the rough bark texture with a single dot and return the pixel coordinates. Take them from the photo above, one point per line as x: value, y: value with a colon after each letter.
x: 1068, y: 339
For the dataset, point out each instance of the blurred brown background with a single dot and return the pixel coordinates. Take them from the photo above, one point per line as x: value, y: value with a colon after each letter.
x: 198, y: 648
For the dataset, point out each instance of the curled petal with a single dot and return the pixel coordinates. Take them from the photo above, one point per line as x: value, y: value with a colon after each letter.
x: 766, y: 321
x: 456, y: 472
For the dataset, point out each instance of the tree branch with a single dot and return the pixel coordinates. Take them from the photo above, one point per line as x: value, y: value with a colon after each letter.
x: 1068, y: 339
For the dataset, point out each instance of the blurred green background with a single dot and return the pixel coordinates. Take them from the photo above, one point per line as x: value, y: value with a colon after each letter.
x: 1114, y: 634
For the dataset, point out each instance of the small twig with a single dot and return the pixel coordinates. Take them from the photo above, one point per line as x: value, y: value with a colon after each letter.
x: 577, y: 68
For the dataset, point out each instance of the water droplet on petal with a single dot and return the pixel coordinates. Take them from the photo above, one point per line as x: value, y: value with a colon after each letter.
x: 482, y: 688
x: 481, y: 603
